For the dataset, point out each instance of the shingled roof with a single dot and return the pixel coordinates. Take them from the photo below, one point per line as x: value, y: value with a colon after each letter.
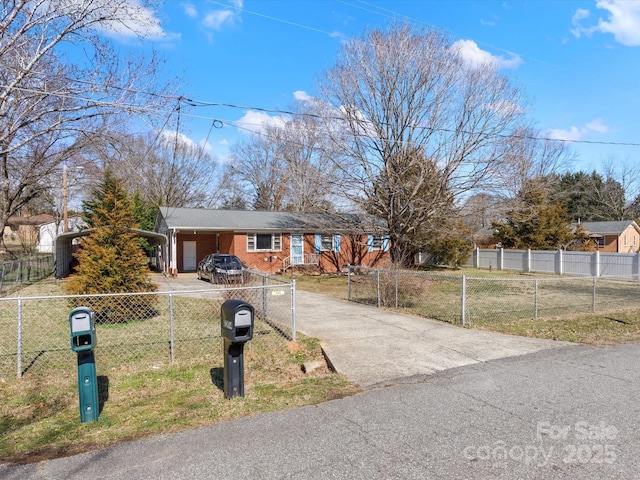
x: 607, y: 228
x: 255, y: 220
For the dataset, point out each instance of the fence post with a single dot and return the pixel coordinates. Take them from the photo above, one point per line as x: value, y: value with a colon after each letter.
x: 597, y: 265
x: 560, y: 262
x: 171, y: 335
x: 593, y: 301
x: 264, y: 297
x: 378, y: 285
x: 397, y: 278
x: 293, y: 310
x: 19, y: 352
x: 349, y: 283
x: 529, y: 260
x: 535, y: 301
x: 19, y: 273
x: 463, y: 302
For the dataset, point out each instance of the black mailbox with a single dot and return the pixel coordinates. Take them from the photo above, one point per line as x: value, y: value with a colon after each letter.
x: 236, y: 321
x: 236, y: 327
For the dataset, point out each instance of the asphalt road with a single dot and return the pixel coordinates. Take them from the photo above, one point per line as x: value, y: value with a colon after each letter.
x: 564, y: 413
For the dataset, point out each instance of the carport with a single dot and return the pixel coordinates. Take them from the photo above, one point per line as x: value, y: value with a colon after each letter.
x: 64, y: 247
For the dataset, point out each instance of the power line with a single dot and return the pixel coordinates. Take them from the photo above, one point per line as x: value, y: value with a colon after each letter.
x: 202, y: 103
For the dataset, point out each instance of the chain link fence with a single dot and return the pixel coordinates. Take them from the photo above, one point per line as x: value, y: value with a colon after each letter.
x: 139, y: 331
x: 15, y: 273
x: 462, y: 299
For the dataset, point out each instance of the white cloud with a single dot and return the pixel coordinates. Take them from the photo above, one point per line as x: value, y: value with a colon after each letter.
x: 190, y: 10
x: 130, y: 20
x: 302, y: 96
x: 169, y: 138
x: 597, y: 125
x: 217, y: 18
x: 255, y: 122
x: 623, y: 21
x: 579, y: 133
x: 475, y: 57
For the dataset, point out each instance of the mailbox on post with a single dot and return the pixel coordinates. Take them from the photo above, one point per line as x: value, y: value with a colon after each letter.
x: 236, y: 328
x: 83, y: 330
x: 83, y: 341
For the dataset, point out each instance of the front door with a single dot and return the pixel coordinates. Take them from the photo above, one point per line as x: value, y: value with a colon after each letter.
x: 189, y: 256
x: 297, y: 249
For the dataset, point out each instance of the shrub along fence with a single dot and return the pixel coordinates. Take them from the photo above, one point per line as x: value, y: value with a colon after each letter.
x: 462, y: 299
x: 135, y: 331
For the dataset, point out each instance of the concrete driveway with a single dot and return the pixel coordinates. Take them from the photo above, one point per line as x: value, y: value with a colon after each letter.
x: 377, y: 347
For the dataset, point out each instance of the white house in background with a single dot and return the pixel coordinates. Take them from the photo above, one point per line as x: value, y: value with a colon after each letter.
x: 49, y: 232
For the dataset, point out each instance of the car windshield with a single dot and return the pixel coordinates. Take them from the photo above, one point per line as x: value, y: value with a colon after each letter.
x: 228, y: 262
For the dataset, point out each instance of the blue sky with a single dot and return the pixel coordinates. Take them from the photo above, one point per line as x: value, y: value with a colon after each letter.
x: 578, y: 61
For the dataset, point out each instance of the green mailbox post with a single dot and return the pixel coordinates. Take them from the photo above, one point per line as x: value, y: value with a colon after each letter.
x: 83, y: 341
x: 236, y: 325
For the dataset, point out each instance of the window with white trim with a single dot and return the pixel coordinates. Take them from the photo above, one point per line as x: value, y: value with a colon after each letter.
x: 264, y: 242
x: 327, y: 243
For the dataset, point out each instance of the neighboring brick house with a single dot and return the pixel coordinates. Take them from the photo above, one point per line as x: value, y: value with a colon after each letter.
x: 617, y: 237
x: 270, y: 242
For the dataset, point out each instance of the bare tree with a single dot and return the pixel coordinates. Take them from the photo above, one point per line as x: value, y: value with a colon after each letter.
x: 257, y: 172
x: 408, y: 104
x: 288, y: 167
x: 50, y: 107
x: 163, y: 168
x: 621, y: 192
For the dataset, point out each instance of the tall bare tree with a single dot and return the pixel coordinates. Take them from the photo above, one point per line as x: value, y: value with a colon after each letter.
x: 407, y: 102
x: 50, y: 107
x: 287, y: 167
x: 163, y: 168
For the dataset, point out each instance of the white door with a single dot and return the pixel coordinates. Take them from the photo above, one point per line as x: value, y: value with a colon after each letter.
x: 297, y: 249
x: 189, y: 256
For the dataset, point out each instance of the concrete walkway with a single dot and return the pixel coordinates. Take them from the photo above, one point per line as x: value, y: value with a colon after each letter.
x: 376, y: 347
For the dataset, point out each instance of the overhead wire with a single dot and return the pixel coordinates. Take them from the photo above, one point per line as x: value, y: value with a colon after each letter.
x: 364, y: 5
x: 201, y: 103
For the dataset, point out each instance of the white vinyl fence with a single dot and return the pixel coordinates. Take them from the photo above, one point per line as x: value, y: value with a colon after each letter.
x: 624, y: 266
